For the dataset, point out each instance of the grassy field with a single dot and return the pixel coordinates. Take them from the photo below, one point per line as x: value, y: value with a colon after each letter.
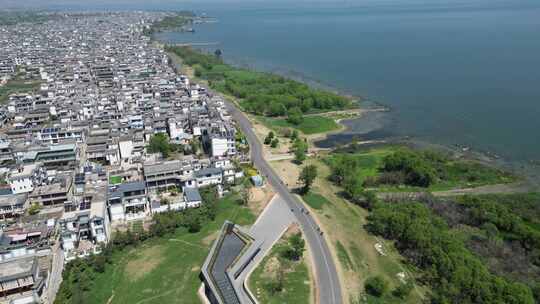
x: 312, y: 124
x: 352, y: 246
x: 314, y: 200
x: 164, y: 270
x: 16, y: 86
x: 295, y: 278
x: 458, y: 173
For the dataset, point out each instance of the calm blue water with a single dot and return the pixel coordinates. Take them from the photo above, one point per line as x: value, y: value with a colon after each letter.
x: 453, y: 72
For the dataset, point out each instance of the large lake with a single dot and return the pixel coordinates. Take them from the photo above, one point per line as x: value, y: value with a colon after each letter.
x: 453, y: 72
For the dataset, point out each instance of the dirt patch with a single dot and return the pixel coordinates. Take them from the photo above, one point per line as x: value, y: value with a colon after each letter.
x: 146, y: 260
x: 256, y: 194
x: 262, y: 131
x: 259, y: 198
x: 288, y: 171
x: 272, y: 267
x: 293, y: 229
x: 208, y: 240
x: 195, y: 269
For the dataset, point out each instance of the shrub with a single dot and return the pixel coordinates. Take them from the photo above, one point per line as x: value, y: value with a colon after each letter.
x: 403, y: 290
x: 269, y: 137
x: 417, y: 170
x: 376, y: 286
x: 34, y: 209
x: 294, y: 116
x: 159, y: 143
x: 295, y: 249
x: 391, y: 178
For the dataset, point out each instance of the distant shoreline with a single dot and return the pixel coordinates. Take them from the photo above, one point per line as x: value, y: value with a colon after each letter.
x: 531, y: 173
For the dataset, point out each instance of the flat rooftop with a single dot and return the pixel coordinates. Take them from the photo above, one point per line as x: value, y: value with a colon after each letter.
x: 18, y: 268
x: 173, y: 165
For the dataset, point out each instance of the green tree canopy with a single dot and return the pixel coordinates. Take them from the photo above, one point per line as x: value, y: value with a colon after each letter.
x: 307, y: 177
x: 376, y: 286
x: 295, y: 116
x: 159, y: 143
x: 299, y: 148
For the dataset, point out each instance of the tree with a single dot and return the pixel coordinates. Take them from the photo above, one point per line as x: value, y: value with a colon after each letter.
x: 295, y: 116
x: 269, y: 137
x: 245, y: 195
x: 159, y: 143
x: 491, y: 230
x: 99, y: 261
x: 299, y: 149
x: 299, y: 155
x: 353, y: 188
x: 177, y: 148
x: 307, y: 177
x: 294, y: 135
x: 296, y: 246
x: 193, y: 222
x: 370, y: 199
x: 417, y: 169
x: 34, y: 208
x: 376, y: 286
x: 403, y: 290
x: 274, y: 143
x: 218, y: 53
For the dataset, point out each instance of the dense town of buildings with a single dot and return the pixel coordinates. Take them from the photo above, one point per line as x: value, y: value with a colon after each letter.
x: 74, y: 160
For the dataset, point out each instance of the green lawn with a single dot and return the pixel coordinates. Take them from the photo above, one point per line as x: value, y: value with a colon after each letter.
x: 113, y: 180
x: 295, y: 279
x: 164, y: 270
x: 312, y: 124
x: 315, y: 200
x: 16, y: 86
x: 343, y: 256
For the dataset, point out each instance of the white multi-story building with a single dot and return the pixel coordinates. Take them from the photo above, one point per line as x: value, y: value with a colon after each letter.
x: 85, y: 225
x: 221, y: 139
x: 209, y: 176
x: 128, y: 202
x: 23, y: 178
x: 60, y: 135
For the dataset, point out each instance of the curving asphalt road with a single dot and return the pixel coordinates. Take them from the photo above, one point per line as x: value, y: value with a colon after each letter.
x: 328, y: 287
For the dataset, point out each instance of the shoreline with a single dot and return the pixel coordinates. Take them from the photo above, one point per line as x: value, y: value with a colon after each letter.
x: 379, y: 135
x: 340, y: 122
